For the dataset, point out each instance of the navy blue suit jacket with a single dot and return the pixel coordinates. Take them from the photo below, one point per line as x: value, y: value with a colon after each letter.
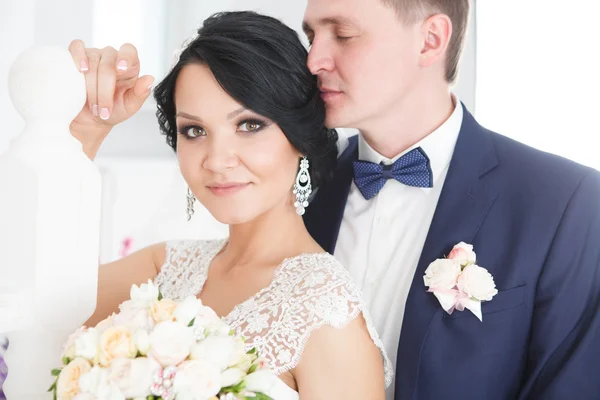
x: 534, y: 221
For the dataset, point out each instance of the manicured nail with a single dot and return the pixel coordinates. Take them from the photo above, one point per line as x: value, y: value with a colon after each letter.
x: 122, y: 65
x: 83, y: 66
x: 95, y: 110
x: 104, y: 113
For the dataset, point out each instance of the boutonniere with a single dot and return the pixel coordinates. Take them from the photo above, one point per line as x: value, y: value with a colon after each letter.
x: 458, y: 282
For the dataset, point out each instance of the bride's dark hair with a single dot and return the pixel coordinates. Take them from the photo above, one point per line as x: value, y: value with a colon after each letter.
x: 261, y: 63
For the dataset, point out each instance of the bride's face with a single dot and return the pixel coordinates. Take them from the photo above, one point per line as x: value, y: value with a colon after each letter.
x: 237, y: 163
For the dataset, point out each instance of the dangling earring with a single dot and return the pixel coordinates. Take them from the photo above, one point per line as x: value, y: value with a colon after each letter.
x: 190, y: 204
x: 302, y: 187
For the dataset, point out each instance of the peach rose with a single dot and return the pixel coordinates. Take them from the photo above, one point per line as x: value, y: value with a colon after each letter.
x: 116, y: 342
x: 163, y: 310
x: 67, y: 386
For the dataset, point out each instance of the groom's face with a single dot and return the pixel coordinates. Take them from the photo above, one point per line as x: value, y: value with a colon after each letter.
x: 365, y: 59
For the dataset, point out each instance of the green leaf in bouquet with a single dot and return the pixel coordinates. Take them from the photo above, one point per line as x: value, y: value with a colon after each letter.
x: 56, y: 372
x: 252, y: 368
x: 66, y: 360
x: 252, y: 351
x: 234, y: 389
x: 232, y: 332
x: 160, y: 296
x: 192, y: 322
x: 258, y: 396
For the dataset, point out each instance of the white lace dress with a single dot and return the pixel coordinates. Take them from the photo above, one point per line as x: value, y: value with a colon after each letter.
x: 307, y: 292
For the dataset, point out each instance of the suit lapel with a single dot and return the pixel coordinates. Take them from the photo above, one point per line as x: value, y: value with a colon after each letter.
x: 324, y: 215
x: 464, y: 202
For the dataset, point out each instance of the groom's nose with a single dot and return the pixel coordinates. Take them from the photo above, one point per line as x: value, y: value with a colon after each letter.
x: 319, y: 57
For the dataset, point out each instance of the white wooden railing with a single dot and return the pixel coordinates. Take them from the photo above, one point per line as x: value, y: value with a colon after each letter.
x: 49, y: 222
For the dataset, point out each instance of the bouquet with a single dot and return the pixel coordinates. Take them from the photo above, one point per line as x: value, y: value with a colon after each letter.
x: 158, y: 349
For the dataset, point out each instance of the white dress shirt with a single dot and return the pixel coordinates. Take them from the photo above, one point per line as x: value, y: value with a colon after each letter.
x: 380, y: 240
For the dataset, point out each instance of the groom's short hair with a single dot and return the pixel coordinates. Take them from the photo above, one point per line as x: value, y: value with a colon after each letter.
x: 456, y: 10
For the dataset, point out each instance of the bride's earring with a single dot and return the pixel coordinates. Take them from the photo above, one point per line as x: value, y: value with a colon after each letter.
x: 190, y: 204
x: 302, y: 187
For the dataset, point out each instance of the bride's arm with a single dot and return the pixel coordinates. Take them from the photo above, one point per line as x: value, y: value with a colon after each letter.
x: 115, y: 279
x: 341, y: 364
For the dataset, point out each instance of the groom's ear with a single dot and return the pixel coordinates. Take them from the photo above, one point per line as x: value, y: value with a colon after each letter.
x: 436, y: 32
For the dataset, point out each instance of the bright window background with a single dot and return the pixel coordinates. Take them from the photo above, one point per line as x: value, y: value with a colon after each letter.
x: 538, y: 74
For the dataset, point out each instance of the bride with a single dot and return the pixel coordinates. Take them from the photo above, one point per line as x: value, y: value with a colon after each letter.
x: 243, y: 113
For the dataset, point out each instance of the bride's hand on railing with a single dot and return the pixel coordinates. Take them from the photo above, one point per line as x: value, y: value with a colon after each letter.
x: 115, y: 91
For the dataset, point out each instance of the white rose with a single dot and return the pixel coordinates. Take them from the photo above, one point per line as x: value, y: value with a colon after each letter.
x: 67, y: 386
x: 463, y: 253
x: 218, y: 328
x: 116, y: 342
x: 477, y: 283
x: 133, y: 377
x: 69, y: 348
x: 215, y: 349
x: 105, y: 324
x: 260, y: 381
x: 134, y: 316
x: 145, y: 294
x: 187, y: 310
x: 171, y: 343
x: 96, y: 383
x: 197, y: 379
x: 86, y: 345
x: 442, y: 274
x: 207, y: 317
x: 232, y: 377
x: 141, y: 338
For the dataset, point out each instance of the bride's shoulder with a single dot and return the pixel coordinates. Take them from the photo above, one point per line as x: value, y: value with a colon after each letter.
x: 321, y: 269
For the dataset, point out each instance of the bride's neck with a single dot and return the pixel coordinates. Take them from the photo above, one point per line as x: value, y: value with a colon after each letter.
x: 272, y: 236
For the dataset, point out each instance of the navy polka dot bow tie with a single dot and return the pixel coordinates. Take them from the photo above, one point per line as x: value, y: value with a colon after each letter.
x: 411, y: 169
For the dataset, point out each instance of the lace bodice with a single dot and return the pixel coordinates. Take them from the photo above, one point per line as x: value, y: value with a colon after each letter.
x: 307, y: 292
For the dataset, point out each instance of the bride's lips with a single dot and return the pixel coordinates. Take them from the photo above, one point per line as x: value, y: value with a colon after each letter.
x: 227, y: 188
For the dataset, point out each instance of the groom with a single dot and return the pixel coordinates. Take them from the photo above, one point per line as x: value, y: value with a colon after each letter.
x: 386, y: 67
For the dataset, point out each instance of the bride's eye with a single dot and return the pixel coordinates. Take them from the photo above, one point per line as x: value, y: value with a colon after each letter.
x: 251, y: 126
x: 192, y: 132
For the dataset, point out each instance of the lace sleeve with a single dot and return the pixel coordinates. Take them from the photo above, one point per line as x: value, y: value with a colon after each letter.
x: 318, y: 292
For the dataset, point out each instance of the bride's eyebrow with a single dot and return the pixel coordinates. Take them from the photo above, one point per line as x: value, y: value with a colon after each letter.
x: 231, y: 115
x: 235, y: 113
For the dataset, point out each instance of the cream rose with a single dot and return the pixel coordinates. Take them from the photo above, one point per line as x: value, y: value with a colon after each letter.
x: 171, y: 343
x: 116, y: 342
x: 463, y: 253
x: 67, y: 386
x: 105, y: 324
x: 133, y: 377
x: 197, y: 379
x: 442, y: 274
x: 477, y: 283
x: 96, y: 382
x: 162, y: 310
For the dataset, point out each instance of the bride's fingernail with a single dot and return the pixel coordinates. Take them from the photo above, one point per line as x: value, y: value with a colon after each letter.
x: 122, y: 65
x: 104, y: 113
x: 83, y: 66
